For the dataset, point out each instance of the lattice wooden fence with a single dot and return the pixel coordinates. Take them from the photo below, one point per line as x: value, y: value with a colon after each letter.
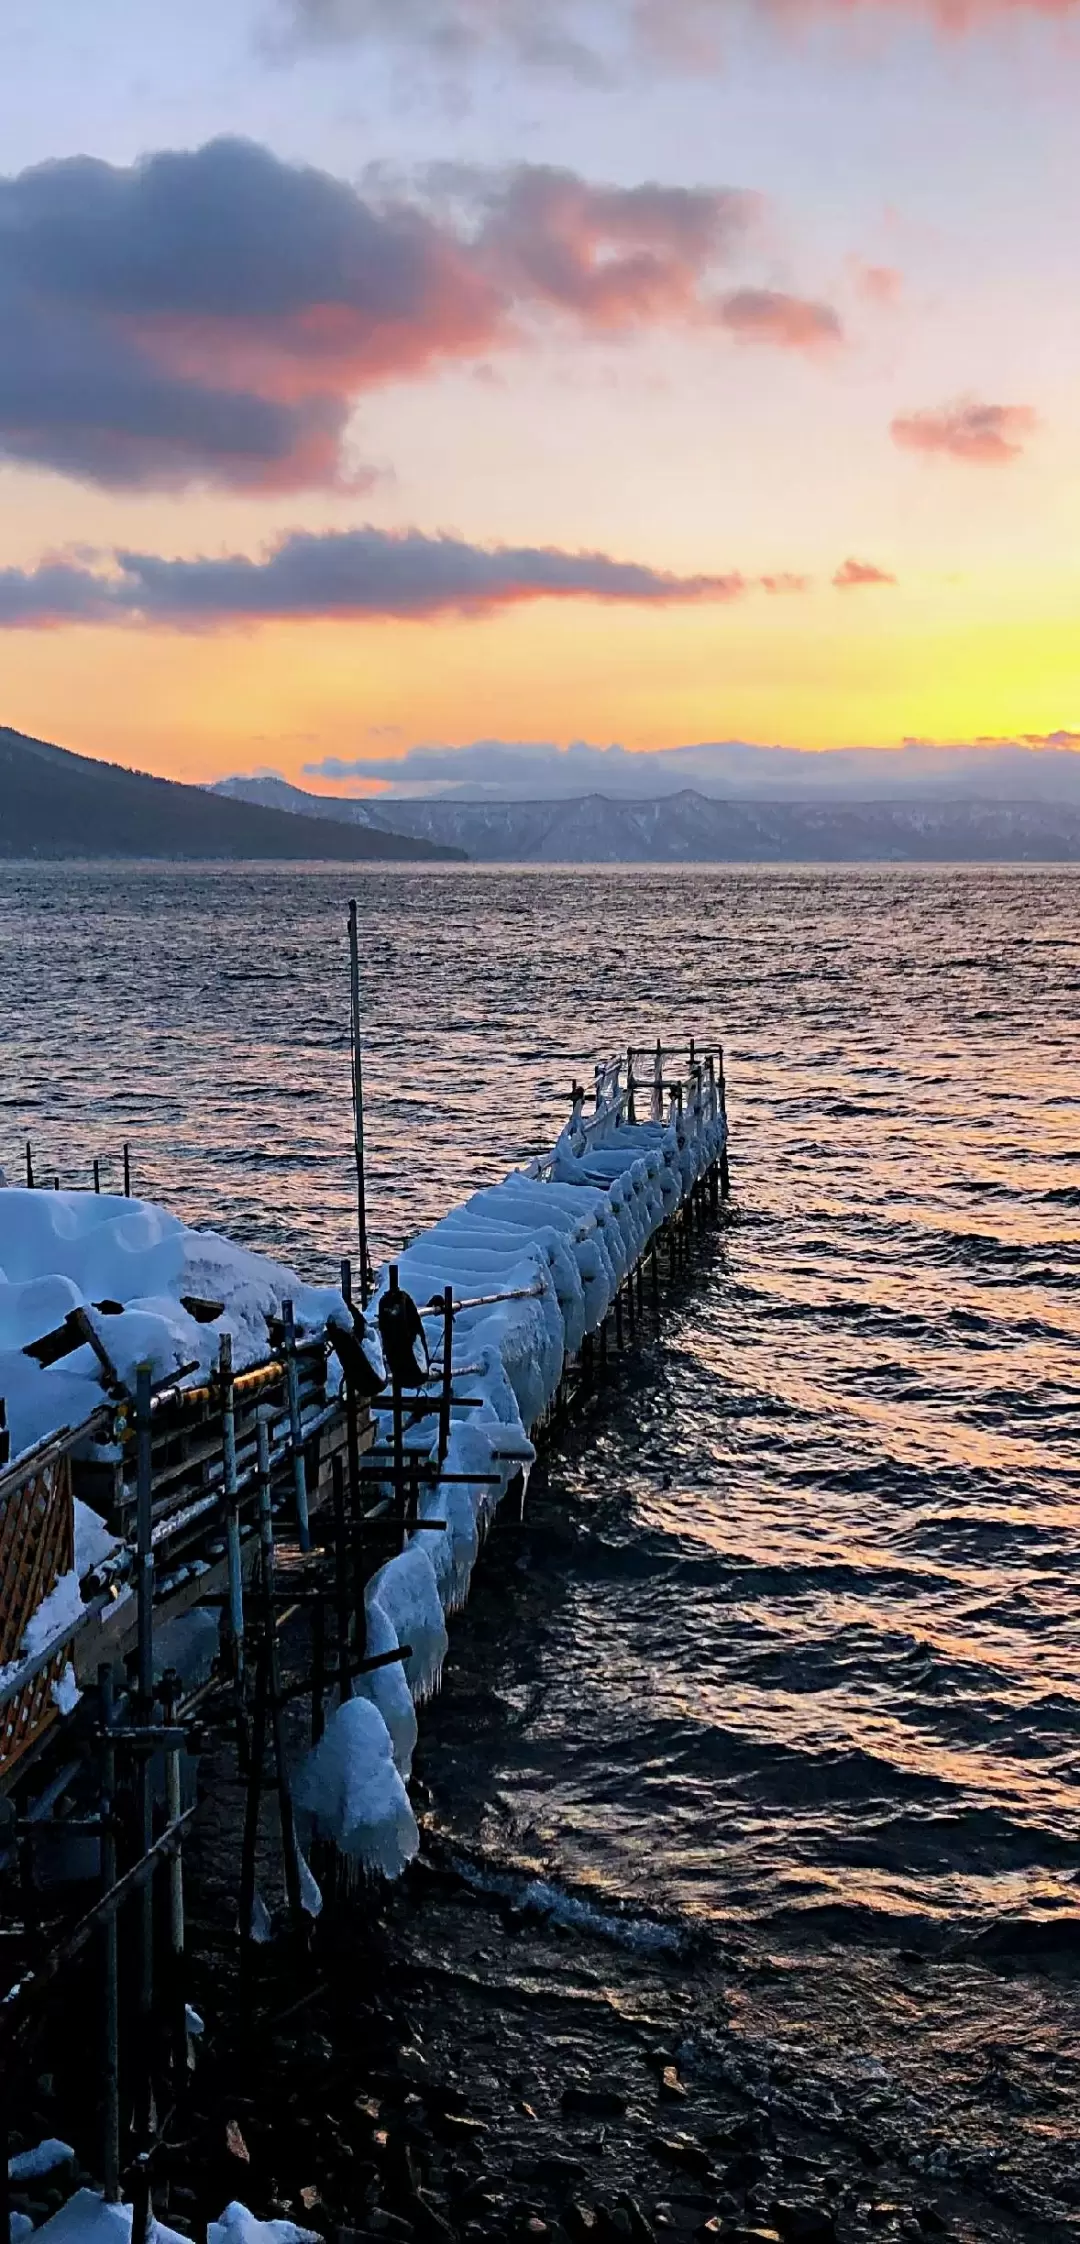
x: 37, y: 1547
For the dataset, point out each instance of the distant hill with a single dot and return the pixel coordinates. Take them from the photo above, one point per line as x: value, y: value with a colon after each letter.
x: 691, y: 828
x: 55, y: 804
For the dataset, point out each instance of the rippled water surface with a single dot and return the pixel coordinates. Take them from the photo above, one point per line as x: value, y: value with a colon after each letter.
x: 807, y: 1650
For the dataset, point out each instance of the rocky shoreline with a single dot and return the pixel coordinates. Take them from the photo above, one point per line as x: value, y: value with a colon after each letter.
x: 451, y: 2062
x: 458, y: 2065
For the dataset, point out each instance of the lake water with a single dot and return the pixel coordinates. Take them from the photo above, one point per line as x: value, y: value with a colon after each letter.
x: 794, y: 1646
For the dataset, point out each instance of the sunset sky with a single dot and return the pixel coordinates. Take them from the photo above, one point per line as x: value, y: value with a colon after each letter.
x: 382, y: 372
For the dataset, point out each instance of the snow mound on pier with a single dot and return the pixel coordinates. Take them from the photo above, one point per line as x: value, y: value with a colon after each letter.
x: 65, y: 1251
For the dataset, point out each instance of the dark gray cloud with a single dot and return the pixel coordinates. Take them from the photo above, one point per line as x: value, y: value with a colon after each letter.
x: 353, y: 573
x: 213, y: 316
x: 58, y: 592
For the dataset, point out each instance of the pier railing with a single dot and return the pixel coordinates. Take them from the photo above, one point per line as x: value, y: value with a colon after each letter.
x: 637, y: 1086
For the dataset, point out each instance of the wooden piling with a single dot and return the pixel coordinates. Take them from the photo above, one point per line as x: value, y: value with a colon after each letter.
x: 127, y: 1170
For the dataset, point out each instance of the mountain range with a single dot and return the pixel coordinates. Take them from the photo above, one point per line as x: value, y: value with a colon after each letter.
x: 689, y: 827
x: 55, y: 804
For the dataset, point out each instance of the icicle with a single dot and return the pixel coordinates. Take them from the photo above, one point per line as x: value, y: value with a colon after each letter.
x: 262, y: 1929
x: 310, y: 1892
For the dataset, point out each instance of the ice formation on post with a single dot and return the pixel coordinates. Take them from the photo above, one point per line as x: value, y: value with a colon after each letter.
x: 349, y: 1791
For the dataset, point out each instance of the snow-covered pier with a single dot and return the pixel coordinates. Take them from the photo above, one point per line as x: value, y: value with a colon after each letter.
x: 231, y: 1495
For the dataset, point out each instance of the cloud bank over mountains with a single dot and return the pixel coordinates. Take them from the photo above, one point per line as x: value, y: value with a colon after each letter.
x: 1044, y: 766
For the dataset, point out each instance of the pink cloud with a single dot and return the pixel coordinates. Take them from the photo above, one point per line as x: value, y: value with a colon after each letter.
x: 984, y: 435
x: 955, y: 15
x: 876, y: 284
x: 851, y: 574
x: 792, y: 323
x: 785, y: 582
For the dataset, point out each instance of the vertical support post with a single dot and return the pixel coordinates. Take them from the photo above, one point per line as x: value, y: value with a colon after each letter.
x: 341, y: 1580
x: 399, y: 1428
x: 127, y: 1170
x: 631, y: 1085
x: 358, y: 1098
x: 296, y: 1440
x: 170, y: 1699
x: 273, y: 1687
x: 5, y: 1434
x: 251, y: 1814
x: 318, y: 1667
x: 29, y: 1168
x: 356, y: 1490
x: 145, y: 1595
x: 447, y: 1393
x: 658, y: 1083
x: 725, y: 1171
x: 97, y: 1176
x: 5, y: 2137
x: 232, y: 1515
x: 110, y: 2147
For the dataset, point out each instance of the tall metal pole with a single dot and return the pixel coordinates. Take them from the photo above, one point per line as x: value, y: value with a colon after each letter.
x: 145, y: 1608
x: 358, y: 1097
